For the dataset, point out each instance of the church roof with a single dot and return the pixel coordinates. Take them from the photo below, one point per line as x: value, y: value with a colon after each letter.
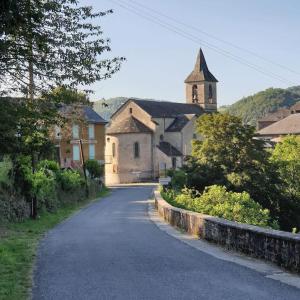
x: 178, y: 124
x: 165, y: 109
x: 288, y: 125
x: 201, y: 71
x: 128, y: 125
x: 168, y: 149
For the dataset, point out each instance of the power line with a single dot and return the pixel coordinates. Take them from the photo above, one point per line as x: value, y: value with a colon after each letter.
x: 215, y: 37
x: 195, y: 39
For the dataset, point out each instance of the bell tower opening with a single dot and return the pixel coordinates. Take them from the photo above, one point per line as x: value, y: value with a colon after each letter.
x: 201, y: 85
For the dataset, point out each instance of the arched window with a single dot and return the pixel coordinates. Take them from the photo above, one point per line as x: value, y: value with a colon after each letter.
x: 161, y: 137
x: 136, y: 150
x: 210, y: 93
x: 113, y: 149
x: 195, y: 93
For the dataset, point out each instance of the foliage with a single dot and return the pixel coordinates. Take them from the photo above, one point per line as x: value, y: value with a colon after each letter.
x: 95, y: 169
x: 44, y: 188
x: 254, y: 107
x: 53, y: 43
x: 5, y: 173
x: 48, y: 165
x: 70, y: 180
x: 227, y: 144
x: 217, y: 201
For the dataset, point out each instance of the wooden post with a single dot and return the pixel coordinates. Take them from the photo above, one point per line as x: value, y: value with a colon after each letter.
x: 83, y: 167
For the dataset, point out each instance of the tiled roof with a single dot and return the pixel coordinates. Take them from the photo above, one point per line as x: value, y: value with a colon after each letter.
x: 165, y: 109
x: 92, y: 117
x: 128, y: 125
x: 201, y: 71
x: 295, y: 107
x: 168, y: 149
x: 288, y: 125
x: 178, y: 124
x: 277, y: 115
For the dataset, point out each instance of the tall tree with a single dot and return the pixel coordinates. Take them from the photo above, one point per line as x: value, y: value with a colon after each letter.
x: 44, y: 44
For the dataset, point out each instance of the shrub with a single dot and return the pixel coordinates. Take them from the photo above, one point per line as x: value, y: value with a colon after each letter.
x: 179, y: 179
x: 217, y: 201
x: 70, y: 180
x: 44, y: 188
x: 94, y: 168
x: 6, y: 167
x: 48, y: 165
x: 13, y: 208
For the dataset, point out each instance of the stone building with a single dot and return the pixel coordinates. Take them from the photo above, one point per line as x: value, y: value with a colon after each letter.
x: 86, y: 125
x: 145, y: 137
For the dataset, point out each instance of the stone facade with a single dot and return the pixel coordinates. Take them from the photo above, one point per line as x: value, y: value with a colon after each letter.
x: 281, y: 248
x: 162, y: 131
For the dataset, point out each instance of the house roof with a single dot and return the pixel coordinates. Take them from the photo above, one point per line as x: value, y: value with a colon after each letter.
x: 288, y: 125
x: 295, y: 107
x: 276, y: 116
x: 84, y: 111
x: 168, y: 149
x: 128, y: 125
x: 178, y: 124
x: 165, y: 109
x: 201, y: 71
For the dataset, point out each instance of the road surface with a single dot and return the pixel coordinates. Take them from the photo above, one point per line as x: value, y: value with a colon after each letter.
x: 112, y: 250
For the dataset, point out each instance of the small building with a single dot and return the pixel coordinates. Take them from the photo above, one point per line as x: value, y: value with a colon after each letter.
x: 273, y: 117
x: 83, y: 136
x: 281, y: 128
x: 146, y: 137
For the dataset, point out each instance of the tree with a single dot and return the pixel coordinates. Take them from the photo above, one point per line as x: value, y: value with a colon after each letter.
x: 53, y: 43
x: 227, y: 143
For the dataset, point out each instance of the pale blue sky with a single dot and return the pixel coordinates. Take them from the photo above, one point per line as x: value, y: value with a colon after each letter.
x: 158, y: 60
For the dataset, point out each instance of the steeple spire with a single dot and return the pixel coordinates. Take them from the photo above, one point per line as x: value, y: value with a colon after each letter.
x: 201, y: 71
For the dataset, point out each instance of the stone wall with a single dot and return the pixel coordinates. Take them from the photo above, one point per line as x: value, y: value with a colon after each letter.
x: 281, y: 248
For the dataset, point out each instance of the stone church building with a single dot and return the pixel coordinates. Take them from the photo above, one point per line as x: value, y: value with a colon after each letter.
x: 145, y: 137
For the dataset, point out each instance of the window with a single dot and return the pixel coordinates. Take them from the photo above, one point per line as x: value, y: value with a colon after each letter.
x: 91, y: 131
x: 75, y: 131
x: 161, y: 137
x: 130, y: 110
x: 76, y: 155
x: 194, y: 136
x: 91, y: 151
x: 174, y: 162
x: 108, y: 139
x: 210, y: 92
x: 57, y: 130
x: 113, y: 149
x: 136, y: 150
x: 195, y: 93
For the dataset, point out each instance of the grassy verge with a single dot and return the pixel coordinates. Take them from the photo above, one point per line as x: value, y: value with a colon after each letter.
x: 18, y: 245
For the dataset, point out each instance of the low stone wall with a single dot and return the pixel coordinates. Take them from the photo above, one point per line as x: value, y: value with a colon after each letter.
x: 279, y: 247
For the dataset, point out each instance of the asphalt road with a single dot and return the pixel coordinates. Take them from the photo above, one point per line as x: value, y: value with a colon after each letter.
x: 112, y: 250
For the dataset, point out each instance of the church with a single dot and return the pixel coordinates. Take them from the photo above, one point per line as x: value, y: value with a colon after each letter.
x: 145, y: 137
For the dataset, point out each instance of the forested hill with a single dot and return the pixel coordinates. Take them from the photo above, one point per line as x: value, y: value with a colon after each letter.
x: 253, y: 107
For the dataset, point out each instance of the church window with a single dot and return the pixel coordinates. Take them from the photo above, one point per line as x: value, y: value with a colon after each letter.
x: 136, y: 150
x: 210, y: 93
x: 174, y: 162
x: 161, y: 137
x: 113, y: 149
x: 130, y: 110
x: 195, y: 93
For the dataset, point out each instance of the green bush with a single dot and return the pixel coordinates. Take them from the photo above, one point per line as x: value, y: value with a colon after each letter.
x: 48, y: 165
x: 44, y: 188
x: 13, y: 208
x: 217, y: 201
x: 70, y: 180
x: 179, y: 179
x: 94, y: 168
x: 6, y: 167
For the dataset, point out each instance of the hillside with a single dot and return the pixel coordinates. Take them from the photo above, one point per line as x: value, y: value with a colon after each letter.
x: 253, y: 107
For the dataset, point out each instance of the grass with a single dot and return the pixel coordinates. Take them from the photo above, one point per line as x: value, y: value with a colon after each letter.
x: 18, y: 245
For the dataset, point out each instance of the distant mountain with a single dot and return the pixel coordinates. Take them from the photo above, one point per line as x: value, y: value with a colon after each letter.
x: 253, y: 107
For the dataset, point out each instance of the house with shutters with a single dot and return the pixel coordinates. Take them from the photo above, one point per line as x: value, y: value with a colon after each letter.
x: 146, y: 137
x: 81, y: 138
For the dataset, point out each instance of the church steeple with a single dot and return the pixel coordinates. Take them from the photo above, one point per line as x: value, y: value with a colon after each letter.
x: 201, y: 85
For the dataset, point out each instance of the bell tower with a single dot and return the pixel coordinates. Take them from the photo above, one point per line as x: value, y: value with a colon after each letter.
x: 201, y: 86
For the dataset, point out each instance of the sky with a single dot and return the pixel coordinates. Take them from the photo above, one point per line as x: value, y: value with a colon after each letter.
x: 158, y: 60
